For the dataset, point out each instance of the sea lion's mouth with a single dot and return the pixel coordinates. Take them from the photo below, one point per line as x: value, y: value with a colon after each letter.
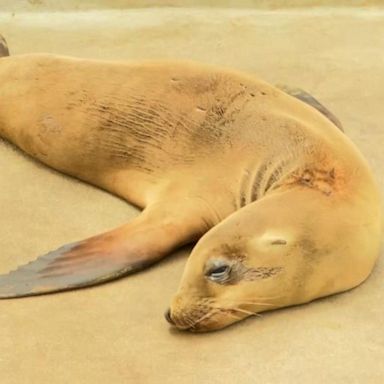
x: 188, y: 322
x: 213, y: 319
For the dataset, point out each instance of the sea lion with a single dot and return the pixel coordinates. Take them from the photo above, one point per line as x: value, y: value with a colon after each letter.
x: 284, y: 207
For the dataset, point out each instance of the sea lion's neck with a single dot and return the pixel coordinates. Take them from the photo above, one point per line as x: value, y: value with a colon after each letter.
x: 262, y: 176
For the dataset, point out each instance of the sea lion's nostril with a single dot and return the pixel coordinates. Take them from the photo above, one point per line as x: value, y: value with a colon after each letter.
x: 168, y: 317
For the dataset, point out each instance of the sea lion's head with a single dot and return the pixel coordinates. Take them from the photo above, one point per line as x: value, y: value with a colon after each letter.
x: 282, y: 250
x: 245, y: 265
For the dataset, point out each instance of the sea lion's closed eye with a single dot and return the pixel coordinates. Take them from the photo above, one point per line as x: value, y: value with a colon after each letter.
x: 219, y: 272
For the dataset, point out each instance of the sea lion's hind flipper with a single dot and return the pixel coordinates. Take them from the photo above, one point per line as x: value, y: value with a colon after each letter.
x: 71, y: 266
x: 130, y: 248
x: 310, y: 100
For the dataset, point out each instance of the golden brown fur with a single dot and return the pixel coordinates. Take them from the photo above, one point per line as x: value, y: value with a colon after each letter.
x: 284, y: 198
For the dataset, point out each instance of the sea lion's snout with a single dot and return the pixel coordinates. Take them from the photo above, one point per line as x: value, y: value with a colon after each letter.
x: 168, y: 317
x: 188, y: 312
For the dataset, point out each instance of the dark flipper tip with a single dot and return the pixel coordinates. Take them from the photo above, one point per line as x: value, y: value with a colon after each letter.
x: 72, y: 266
x: 4, y: 51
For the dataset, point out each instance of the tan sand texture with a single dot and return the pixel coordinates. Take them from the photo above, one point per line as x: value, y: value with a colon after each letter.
x: 115, y: 333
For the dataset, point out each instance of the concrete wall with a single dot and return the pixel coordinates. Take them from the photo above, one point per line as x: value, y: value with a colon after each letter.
x: 40, y: 5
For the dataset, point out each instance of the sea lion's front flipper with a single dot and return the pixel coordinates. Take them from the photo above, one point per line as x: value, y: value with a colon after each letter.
x: 310, y: 100
x: 71, y: 266
x: 108, y: 256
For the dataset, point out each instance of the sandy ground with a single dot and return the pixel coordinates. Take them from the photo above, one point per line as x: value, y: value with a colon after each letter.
x: 116, y: 333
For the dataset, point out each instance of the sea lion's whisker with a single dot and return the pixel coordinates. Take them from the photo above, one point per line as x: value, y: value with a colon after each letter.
x: 268, y: 297
x: 207, y: 315
x: 232, y: 314
x: 247, y: 312
x: 248, y: 302
x: 228, y: 311
x: 255, y: 302
x: 189, y: 322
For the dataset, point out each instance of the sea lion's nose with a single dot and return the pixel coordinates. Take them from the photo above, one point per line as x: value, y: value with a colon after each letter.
x: 168, y: 317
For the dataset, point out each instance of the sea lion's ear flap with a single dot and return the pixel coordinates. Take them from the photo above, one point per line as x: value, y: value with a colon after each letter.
x: 278, y: 241
x: 271, y: 239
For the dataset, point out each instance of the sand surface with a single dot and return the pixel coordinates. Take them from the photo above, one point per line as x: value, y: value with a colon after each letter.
x: 116, y: 333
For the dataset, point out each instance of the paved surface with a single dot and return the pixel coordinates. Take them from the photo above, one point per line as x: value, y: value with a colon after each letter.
x: 116, y: 333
